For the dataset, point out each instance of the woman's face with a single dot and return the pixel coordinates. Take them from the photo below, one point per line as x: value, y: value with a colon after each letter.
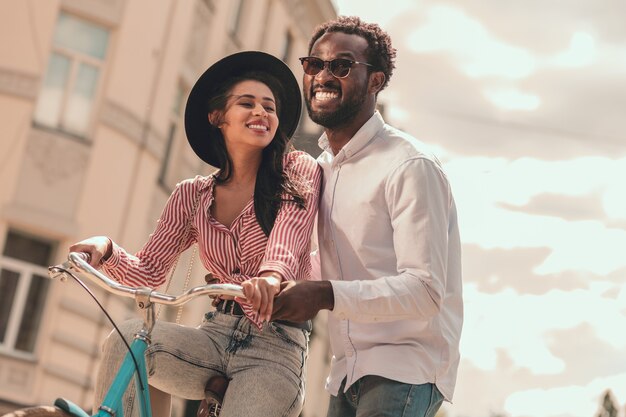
x: 250, y: 119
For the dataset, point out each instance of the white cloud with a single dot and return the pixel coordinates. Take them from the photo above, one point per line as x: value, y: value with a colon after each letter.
x: 512, y: 99
x: 372, y: 11
x: 479, y: 53
x: 581, y: 52
x: 519, y: 324
x: 482, y: 185
x: 574, y: 401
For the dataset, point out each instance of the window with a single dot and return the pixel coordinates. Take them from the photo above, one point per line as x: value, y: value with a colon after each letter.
x: 23, y: 289
x: 69, y: 87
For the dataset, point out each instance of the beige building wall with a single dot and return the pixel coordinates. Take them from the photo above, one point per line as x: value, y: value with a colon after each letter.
x: 92, y: 145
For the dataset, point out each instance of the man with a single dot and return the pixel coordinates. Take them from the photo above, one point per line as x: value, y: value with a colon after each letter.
x: 388, y: 237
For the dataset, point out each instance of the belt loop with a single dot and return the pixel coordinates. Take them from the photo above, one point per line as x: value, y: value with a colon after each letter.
x: 232, y: 307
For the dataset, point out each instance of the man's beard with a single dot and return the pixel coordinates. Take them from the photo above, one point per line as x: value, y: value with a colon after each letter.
x: 342, y: 116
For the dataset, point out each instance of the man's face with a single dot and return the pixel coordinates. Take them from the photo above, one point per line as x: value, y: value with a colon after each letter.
x: 334, y: 102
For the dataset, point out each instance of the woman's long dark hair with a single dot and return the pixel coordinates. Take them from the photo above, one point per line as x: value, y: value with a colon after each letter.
x: 271, y: 181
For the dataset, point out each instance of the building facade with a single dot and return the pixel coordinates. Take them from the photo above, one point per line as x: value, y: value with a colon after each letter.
x: 92, y: 143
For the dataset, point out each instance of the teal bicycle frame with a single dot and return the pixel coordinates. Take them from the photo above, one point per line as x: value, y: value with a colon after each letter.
x: 133, y: 366
x: 112, y: 403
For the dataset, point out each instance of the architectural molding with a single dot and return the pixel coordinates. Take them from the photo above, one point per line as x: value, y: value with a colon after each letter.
x: 126, y: 122
x: 70, y: 341
x: 36, y: 219
x: 19, y: 84
x: 68, y: 375
x: 56, y: 156
x: 121, y: 119
x: 83, y: 310
x: 309, y: 13
x: 109, y: 12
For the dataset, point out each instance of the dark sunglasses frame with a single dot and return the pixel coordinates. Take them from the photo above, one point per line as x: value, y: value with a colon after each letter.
x: 331, y: 65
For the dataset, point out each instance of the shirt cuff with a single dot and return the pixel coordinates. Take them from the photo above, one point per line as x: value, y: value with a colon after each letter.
x: 344, y: 293
x: 279, y: 267
x: 114, y: 259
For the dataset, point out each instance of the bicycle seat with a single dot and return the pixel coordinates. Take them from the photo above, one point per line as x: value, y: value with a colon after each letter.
x: 70, y: 408
x: 214, y: 391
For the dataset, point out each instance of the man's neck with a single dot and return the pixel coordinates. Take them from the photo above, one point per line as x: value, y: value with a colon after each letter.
x: 339, y: 136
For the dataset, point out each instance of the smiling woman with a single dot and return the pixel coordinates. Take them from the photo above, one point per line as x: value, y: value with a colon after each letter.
x: 252, y: 220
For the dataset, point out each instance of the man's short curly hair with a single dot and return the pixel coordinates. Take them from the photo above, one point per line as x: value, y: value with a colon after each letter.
x: 379, y: 52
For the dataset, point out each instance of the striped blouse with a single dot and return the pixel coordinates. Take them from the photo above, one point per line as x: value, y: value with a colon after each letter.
x: 233, y: 254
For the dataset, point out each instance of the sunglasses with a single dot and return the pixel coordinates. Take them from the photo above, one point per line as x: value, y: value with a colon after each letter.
x: 338, y: 67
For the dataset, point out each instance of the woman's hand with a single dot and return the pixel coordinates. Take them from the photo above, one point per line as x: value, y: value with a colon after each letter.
x: 98, y: 248
x: 260, y: 292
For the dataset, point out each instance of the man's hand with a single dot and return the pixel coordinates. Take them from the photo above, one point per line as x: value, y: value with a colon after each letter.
x: 299, y: 301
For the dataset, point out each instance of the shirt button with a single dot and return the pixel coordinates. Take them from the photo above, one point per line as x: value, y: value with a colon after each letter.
x: 236, y: 271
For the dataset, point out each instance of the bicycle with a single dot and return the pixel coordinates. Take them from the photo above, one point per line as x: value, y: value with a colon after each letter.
x: 134, y: 363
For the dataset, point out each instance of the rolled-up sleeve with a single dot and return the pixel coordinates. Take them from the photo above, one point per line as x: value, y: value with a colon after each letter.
x: 289, y: 241
x: 149, y: 267
x: 419, y: 202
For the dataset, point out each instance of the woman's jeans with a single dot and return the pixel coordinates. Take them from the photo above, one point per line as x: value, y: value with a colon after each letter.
x: 375, y: 396
x: 266, y: 368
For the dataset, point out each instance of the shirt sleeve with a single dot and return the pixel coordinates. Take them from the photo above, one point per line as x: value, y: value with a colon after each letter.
x: 149, y: 267
x: 289, y: 241
x: 420, y: 207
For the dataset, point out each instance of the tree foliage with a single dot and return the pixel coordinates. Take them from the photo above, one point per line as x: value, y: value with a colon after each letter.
x: 608, y: 408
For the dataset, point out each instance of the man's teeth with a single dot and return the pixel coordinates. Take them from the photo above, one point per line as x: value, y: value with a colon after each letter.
x: 259, y: 127
x: 325, y: 95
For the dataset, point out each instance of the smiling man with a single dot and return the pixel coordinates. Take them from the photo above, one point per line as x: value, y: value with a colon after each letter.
x: 388, y: 236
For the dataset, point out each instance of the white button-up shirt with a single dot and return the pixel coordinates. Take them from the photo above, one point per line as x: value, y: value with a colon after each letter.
x: 389, y: 241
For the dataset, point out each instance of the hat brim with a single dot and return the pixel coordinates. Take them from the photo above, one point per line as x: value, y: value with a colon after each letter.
x: 197, y: 124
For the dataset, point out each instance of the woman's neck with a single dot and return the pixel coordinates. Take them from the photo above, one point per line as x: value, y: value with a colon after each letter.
x: 244, y: 169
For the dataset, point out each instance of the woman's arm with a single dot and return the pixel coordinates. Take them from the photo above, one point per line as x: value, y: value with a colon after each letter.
x: 149, y: 267
x: 289, y: 241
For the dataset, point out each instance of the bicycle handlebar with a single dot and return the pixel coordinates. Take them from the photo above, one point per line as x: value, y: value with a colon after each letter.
x: 77, y: 261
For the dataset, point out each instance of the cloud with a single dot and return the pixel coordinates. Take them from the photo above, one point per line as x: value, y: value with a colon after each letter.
x: 525, y: 103
x: 570, y: 400
x: 371, y: 11
x: 485, y: 187
x: 567, y: 103
x: 495, y: 270
x: 522, y: 324
x: 451, y: 31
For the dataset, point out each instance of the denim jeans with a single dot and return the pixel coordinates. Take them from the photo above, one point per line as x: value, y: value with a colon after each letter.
x: 266, y: 367
x: 375, y: 396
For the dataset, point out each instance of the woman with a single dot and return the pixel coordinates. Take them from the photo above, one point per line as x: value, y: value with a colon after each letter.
x: 252, y: 220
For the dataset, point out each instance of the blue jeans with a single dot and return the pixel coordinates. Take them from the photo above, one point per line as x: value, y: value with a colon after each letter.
x: 266, y: 367
x: 375, y: 396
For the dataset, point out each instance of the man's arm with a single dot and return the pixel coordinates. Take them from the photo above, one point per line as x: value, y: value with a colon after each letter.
x: 299, y: 301
x: 420, y: 209
x: 419, y: 205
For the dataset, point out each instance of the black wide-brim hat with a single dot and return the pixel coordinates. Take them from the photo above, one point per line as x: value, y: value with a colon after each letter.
x: 197, y: 124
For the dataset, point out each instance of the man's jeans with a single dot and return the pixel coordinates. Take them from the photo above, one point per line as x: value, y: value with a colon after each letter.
x: 375, y: 396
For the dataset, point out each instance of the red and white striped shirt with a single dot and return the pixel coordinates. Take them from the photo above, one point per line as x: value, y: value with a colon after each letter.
x: 233, y: 254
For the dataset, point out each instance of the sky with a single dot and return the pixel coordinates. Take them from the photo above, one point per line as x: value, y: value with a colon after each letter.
x: 524, y: 102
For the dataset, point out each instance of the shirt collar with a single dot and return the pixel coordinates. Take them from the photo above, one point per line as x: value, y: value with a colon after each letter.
x: 360, y: 139
x: 208, y: 181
